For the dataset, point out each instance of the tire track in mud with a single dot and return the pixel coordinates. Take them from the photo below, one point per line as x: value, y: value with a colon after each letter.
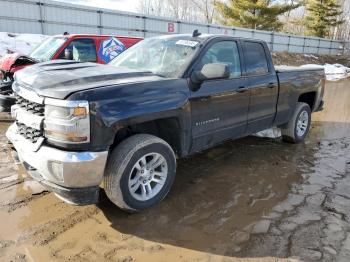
x: 21, y: 202
x: 16, y: 188
x: 42, y: 234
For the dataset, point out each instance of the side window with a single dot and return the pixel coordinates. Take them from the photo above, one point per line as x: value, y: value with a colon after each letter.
x: 83, y: 50
x: 255, y: 58
x: 225, y: 52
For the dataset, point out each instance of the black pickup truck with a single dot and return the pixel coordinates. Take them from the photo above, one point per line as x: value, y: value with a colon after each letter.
x: 82, y: 125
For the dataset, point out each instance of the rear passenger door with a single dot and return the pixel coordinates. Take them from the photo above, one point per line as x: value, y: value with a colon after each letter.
x: 262, y: 84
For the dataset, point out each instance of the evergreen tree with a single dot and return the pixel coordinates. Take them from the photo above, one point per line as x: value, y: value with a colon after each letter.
x: 322, y: 16
x: 255, y: 14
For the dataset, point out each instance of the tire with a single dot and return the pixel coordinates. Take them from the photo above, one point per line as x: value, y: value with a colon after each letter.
x: 6, y: 87
x: 295, y: 131
x: 124, y: 167
x: 6, y: 101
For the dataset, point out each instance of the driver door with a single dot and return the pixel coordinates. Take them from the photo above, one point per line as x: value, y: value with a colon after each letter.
x: 82, y: 49
x: 219, y: 108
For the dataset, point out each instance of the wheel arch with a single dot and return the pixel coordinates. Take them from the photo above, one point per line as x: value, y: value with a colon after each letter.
x: 170, y: 128
x: 308, y: 98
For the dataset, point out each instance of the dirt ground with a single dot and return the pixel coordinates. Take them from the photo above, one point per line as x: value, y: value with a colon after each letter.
x: 294, y: 59
x: 254, y: 199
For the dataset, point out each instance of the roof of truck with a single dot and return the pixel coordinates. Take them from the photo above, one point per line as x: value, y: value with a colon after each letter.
x: 92, y: 35
x: 206, y: 37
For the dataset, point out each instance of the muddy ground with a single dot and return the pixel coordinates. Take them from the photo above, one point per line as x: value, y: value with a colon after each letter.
x: 294, y: 59
x: 254, y: 199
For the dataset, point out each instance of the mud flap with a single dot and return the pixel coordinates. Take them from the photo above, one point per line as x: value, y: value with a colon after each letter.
x: 320, y: 107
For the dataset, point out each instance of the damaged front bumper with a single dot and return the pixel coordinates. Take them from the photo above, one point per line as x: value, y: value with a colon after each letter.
x: 74, y: 176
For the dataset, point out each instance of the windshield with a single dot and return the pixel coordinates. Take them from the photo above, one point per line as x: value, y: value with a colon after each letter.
x: 165, y: 56
x: 47, y: 48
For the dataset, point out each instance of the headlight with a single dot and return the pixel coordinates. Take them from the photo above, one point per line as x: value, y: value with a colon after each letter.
x: 67, y: 121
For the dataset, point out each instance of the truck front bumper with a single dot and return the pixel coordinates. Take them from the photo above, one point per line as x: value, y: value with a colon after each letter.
x: 74, y: 176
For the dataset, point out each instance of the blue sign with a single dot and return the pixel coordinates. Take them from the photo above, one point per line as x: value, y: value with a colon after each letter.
x: 110, y: 48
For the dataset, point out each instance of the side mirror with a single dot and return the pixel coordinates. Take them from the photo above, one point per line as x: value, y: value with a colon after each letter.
x: 68, y: 54
x: 210, y: 72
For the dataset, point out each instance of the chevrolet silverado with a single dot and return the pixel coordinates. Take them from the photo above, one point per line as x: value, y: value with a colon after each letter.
x: 122, y: 126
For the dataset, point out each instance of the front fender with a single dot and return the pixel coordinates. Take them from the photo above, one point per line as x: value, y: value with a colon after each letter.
x: 113, y: 108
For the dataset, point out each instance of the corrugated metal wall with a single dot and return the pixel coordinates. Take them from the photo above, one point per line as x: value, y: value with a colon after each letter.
x: 50, y: 17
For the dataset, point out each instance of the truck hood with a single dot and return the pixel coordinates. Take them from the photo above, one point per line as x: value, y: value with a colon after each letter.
x: 60, y: 78
x: 11, y: 61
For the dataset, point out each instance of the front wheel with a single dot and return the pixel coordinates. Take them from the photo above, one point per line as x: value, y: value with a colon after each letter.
x: 298, y: 126
x: 139, y: 172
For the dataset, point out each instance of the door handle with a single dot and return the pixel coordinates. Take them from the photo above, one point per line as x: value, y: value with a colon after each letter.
x: 271, y: 85
x: 242, y: 89
x: 204, y: 98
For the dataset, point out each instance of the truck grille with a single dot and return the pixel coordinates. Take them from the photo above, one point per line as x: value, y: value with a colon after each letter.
x: 29, y: 133
x: 32, y: 107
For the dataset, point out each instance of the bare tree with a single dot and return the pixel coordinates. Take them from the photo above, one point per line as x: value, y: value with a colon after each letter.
x: 151, y: 7
x: 342, y: 32
x: 205, y: 9
x: 191, y: 10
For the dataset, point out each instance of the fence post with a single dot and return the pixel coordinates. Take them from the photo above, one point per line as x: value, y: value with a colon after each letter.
x: 144, y: 26
x: 330, y: 48
x: 318, y: 47
x: 304, y: 44
x: 288, y: 46
x: 99, y: 12
x: 272, y: 40
x: 344, y: 47
x: 41, y: 21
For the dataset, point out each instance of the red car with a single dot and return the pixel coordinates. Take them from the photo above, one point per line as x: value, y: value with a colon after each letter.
x: 85, y: 48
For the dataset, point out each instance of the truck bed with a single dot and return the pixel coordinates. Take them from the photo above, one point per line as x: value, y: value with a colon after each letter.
x: 294, y: 81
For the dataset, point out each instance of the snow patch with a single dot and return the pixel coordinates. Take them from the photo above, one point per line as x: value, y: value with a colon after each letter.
x: 273, y: 132
x: 19, y: 43
x: 334, y: 72
x: 311, y: 56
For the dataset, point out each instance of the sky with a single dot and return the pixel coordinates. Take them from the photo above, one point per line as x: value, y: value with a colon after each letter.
x: 124, y: 5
